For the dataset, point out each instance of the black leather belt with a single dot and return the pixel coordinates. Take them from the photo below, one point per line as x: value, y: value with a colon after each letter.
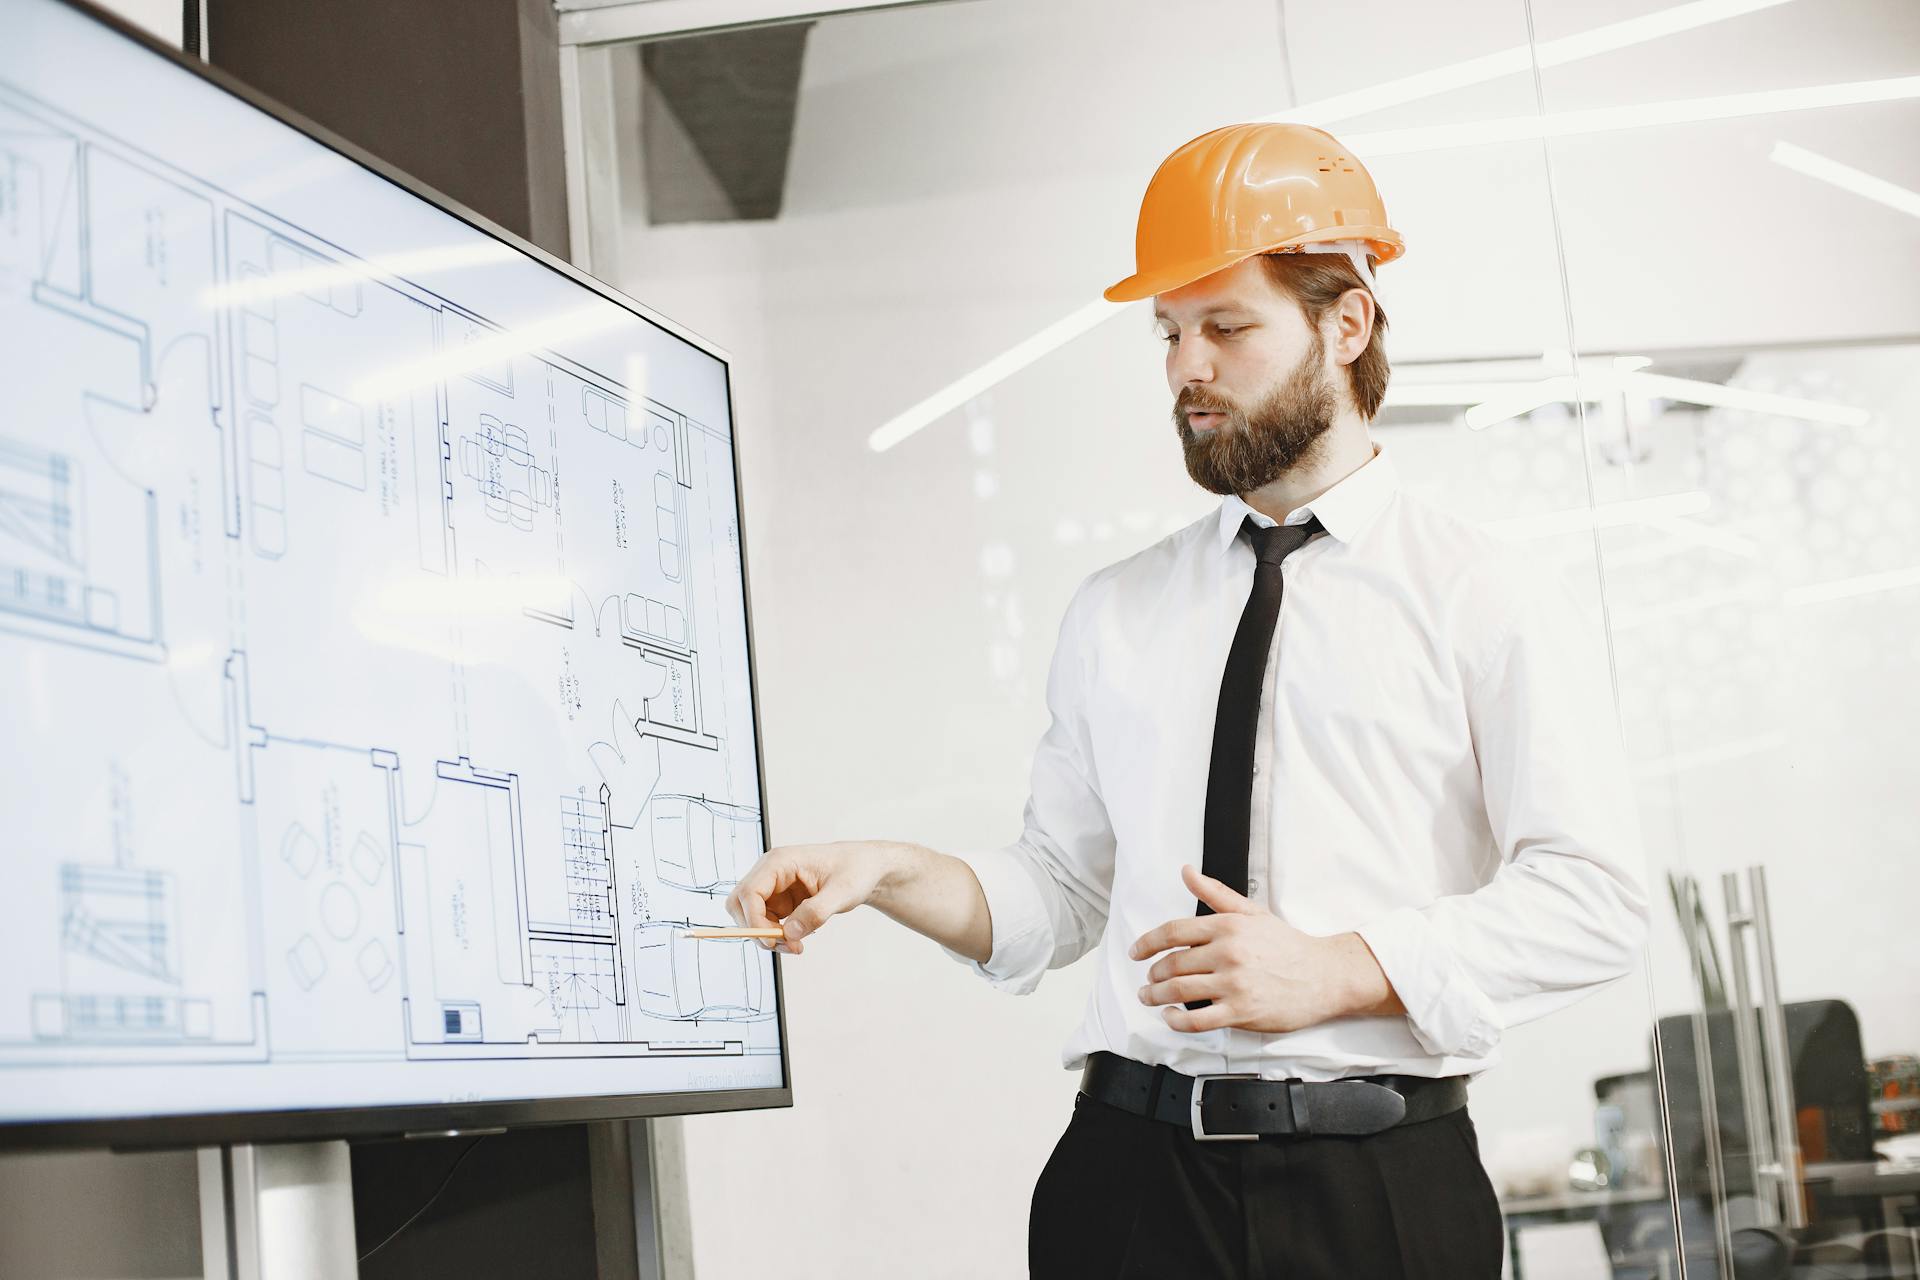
x: 1245, y: 1107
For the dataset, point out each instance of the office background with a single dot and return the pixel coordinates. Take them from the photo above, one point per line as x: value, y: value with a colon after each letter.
x: 1711, y: 222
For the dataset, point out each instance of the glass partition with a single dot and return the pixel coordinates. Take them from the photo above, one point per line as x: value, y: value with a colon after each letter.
x: 1737, y: 207
x: 1657, y: 319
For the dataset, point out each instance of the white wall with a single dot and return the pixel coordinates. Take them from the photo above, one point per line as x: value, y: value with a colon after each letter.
x: 963, y: 176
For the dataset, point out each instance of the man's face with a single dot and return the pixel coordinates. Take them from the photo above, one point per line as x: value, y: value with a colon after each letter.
x: 1252, y: 393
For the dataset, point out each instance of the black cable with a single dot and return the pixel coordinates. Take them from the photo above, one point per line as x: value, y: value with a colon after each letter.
x: 437, y: 1192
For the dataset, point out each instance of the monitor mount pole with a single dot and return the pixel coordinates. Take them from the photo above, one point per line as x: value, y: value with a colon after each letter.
x: 277, y: 1211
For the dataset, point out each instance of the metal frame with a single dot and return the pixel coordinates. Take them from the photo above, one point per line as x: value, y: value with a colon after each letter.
x: 573, y: 151
x: 621, y: 23
x: 202, y: 1129
x: 591, y: 145
x: 1766, y: 1069
x: 1709, y: 1110
x: 271, y: 1212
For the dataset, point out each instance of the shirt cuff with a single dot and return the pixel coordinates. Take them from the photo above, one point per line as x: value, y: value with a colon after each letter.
x: 1021, y: 931
x: 1449, y: 1015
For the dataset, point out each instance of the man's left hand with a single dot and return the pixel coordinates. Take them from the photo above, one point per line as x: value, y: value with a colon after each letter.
x: 1260, y: 972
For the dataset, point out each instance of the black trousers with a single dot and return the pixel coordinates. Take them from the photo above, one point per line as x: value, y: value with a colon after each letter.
x: 1126, y: 1196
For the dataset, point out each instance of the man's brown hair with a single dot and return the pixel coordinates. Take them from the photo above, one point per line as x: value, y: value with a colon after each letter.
x: 1316, y: 281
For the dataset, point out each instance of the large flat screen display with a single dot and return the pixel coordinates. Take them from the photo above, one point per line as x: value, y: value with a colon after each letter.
x: 378, y: 704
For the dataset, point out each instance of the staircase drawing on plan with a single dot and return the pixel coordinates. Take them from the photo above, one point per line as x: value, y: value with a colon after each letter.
x: 392, y: 674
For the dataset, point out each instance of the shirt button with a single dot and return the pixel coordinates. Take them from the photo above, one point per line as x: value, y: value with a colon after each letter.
x: 1253, y: 884
x: 1256, y: 768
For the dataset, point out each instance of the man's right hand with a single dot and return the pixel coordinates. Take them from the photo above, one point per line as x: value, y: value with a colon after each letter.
x: 800, y: 887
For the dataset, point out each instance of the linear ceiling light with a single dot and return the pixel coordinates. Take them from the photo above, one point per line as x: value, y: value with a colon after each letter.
x: 1688, y: 391
x: 1524, y: 398
x: 1605, y: 515
x: 1001, y: 367
x: 262, y: 287
x: 1563, y: 124
x: 1519, y: 58
x: 1847, y: 178
x: 496, y: 347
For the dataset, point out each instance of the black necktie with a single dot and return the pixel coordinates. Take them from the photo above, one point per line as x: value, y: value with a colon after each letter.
x: 1229, y: 820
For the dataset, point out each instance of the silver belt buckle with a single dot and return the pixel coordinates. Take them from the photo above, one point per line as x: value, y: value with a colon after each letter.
x: 1198, y: 1096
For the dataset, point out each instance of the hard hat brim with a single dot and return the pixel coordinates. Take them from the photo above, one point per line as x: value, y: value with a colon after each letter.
x: 1383, y: 242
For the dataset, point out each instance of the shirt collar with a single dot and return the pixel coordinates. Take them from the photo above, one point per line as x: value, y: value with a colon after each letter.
x: 1344, y: 510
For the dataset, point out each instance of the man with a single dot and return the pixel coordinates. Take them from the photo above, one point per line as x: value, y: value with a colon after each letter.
x: 1337, y: 847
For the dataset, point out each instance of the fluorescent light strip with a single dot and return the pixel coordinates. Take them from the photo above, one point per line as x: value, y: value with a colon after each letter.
x: 1551, y: 53
x: 1606, y: 515
x: 549, y: 331
x: 1003, y: 366
x: 1652, y: 26
x: 283, y: 284
x: 1690, y: 391
x: 1847, y: 178
x: 1842, y: 588
x: 1394, y: 142
x: 1524, y: 398
x: 1566, y: 49
x: 1521, y: 400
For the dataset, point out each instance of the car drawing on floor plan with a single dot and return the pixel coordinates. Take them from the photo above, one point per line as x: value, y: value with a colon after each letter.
x: 688, y: 979
x: 703, y: 845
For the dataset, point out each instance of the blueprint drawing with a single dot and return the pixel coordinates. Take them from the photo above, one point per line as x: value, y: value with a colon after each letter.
x: 375, y: 673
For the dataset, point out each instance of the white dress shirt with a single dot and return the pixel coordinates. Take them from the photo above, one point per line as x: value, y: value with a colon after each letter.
x: 1438, y: 767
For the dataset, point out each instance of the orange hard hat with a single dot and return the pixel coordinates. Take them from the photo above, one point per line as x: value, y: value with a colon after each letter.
x: 1248, y: 189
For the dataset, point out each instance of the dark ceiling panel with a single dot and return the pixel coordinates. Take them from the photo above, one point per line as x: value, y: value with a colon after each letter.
x: 717, y: 122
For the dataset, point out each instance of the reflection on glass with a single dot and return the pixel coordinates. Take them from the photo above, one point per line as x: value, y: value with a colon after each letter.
x: 1656, y: 322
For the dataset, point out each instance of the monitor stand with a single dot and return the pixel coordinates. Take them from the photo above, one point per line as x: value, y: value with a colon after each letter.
x: 278, y: 1211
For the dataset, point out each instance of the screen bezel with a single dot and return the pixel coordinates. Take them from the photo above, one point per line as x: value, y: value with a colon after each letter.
x: 430, y: 1119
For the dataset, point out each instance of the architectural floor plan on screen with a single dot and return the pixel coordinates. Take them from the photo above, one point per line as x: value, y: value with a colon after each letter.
x: 375, y: 687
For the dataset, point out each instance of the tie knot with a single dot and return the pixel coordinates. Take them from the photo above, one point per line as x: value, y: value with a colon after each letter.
x: 1275, y: 543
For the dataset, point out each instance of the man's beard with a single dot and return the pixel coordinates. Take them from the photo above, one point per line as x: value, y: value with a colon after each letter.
x: 1255, y: 447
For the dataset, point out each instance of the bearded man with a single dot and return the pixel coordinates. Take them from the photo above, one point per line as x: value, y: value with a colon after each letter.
x: 1333, y: 783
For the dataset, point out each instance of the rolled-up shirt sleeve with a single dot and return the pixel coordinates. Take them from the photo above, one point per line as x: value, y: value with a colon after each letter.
x: 1565, y: 911
x: 1048, y: 891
